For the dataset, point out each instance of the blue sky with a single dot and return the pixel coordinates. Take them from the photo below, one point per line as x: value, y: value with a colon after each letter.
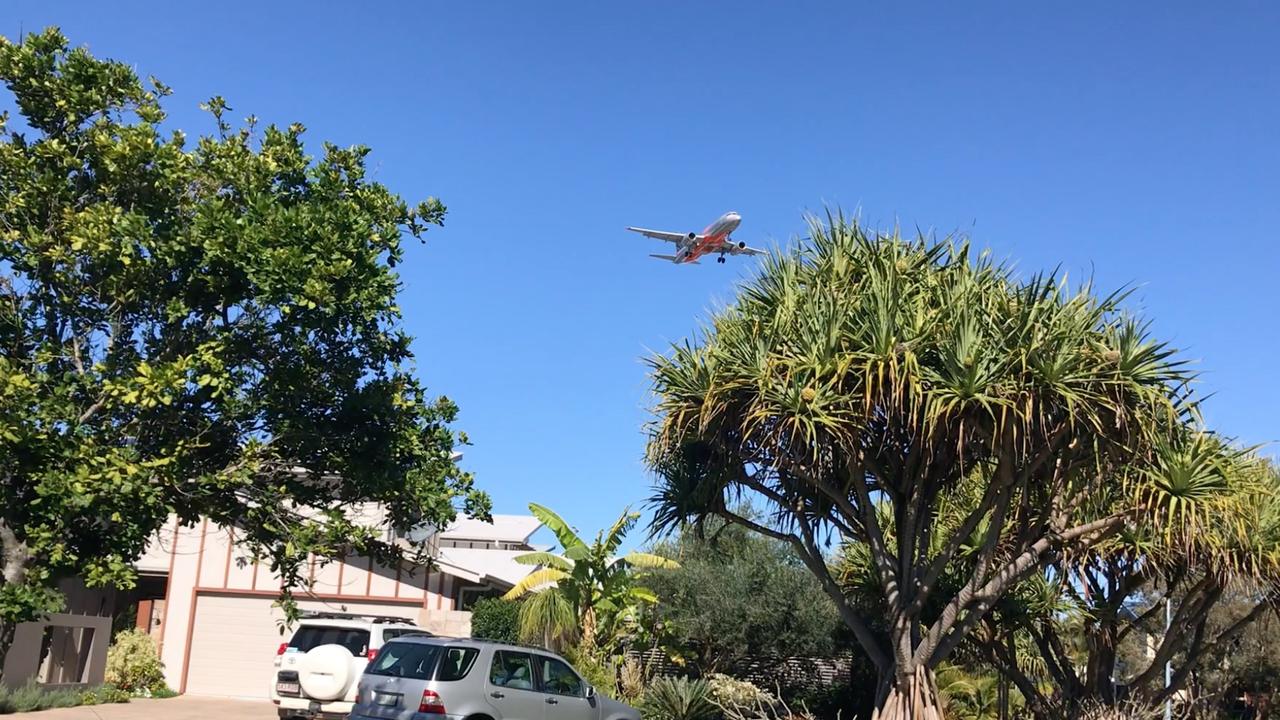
x: 1135, y: 142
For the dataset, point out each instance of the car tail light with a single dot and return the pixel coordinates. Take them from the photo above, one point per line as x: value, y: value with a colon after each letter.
x: 283, y: 646
x: 371, y: 654
x: 431, y: 703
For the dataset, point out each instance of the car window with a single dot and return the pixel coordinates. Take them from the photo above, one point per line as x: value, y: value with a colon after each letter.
x: 356, y: 641
x: 558, y: 678
x: 511, y: 670
x: 405, y: 660
x: 456, y: 662
x: 390, y: 634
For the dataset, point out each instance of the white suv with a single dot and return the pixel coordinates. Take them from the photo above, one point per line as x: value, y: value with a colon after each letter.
x: 317, y: 671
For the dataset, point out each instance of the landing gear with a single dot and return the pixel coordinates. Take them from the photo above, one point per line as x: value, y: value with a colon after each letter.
x: 720, y: 259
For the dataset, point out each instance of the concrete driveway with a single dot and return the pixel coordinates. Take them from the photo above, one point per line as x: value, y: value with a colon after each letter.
x: 179, y: 708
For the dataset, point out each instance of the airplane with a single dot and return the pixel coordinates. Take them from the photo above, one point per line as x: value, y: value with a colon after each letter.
x: 714, y: 239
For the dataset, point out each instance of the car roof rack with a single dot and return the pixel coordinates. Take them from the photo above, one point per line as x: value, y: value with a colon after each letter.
x: 377, y: 619
x: 513, y: 643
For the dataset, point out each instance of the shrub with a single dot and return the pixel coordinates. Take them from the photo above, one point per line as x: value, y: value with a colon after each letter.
x: 728, y: 692
x: 846, y: 701
x: 103, y: 694
x: 671, y: 698
x: 33, y: 696
x: 496, y: 619
x: 631, y: 680
x: 164, y: 691
x: 133, y: 665
x: 1123, y: 710
x: 112, y: 694
x: 596, y: 670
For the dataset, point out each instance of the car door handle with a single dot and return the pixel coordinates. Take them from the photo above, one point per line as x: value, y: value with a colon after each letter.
x: 552, y: 701
x: 496, y: 694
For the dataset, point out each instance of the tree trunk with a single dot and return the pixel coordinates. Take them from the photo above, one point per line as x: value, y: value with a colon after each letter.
x: 1101, y: 664
x: 913, y: 697
x: 15, y: 560
x: 589, y: 627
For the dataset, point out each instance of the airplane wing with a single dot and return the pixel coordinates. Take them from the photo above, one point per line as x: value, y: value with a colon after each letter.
x: 733, y: 249
x: 671, y: 237
x: 675, y: 258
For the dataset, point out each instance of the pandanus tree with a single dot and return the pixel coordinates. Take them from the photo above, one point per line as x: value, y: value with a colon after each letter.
x: 1207, y: 534
x: 858, y: 380
x: 584, y: 588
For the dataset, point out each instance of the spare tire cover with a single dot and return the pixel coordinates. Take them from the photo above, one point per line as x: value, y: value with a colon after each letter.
x: 325, y: 672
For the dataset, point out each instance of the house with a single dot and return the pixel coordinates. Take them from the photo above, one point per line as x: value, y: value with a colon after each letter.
x: 210, y: 607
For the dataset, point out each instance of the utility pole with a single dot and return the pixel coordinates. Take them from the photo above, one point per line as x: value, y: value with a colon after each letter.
x: 1168, y: 664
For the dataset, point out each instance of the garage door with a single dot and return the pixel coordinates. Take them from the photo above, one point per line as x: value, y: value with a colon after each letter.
x: 234, y: 640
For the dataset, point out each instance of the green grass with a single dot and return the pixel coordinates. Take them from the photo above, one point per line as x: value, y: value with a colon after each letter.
x: 31, y: 697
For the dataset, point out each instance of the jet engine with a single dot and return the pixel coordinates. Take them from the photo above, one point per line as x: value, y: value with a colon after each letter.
x: 693, y: 236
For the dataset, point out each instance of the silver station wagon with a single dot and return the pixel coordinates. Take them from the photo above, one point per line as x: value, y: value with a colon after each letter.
x: 427, y: 678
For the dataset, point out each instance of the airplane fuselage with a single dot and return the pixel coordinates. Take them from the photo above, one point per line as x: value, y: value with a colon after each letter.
x: 710, y: 240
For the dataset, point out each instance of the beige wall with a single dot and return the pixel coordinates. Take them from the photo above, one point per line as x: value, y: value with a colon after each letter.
x: 204, y: 561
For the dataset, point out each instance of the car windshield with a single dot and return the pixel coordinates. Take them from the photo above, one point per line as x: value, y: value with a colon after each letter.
x: 406, y: 660
x: 356, y: 641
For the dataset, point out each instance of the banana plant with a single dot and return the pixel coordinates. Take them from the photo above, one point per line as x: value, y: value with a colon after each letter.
x: 586, y: 586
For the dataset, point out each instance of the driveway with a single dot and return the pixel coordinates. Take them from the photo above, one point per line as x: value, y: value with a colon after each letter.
x: 179, y: 708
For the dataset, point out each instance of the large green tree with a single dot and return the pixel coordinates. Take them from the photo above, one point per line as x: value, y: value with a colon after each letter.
x: 204, y: 329
x: 587, y: 587
x: 738, y: 597
x: 857, y: 382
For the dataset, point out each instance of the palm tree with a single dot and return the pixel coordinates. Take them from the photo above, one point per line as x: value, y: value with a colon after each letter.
x: 968, y: 695
x: 586, y: 587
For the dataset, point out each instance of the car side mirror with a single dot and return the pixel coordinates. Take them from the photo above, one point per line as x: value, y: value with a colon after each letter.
x: 591, y: 693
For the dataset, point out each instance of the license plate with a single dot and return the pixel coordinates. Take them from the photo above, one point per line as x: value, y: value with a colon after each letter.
x: 387, y: 699
x: 288, y: 688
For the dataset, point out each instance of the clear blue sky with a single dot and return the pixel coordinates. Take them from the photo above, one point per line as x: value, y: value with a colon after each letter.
x: 1135, y: 141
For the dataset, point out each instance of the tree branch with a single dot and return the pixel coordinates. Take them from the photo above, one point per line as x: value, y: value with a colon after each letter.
x: 1016, y: 571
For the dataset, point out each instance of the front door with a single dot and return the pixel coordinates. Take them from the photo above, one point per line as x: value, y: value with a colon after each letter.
x: 512, y: 688
x: 565, y: 693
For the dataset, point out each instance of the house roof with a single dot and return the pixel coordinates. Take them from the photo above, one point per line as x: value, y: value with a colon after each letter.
x: 483, y: 565
x: 504, y: 528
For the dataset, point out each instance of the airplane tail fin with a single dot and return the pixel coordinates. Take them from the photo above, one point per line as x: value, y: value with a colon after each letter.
x: 669, y: 258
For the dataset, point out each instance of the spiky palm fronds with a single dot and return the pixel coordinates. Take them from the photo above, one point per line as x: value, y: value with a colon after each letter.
x: 860, y: 339
x: 675, y: 698
x: 548, y: 618
x: 968, y: 695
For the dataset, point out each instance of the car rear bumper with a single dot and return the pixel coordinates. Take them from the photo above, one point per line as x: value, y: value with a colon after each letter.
x: 416, y: 716
x: 285, y: 714
x: 308, y: 708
